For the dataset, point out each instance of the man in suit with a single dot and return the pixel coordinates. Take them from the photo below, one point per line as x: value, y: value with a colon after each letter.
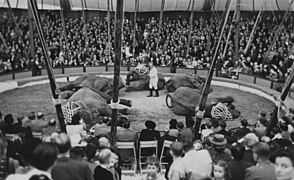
x: 125, y: 134
x: 264, y: 169
x: 237, y: 166
x: 240, y: 133
x: 67, y: 168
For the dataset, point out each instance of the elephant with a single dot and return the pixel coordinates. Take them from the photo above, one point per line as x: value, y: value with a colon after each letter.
x: 193, y: 81
x: 184, y: 100
x: 90, y: 96
x: 90, y: 104
x: 102, y: 84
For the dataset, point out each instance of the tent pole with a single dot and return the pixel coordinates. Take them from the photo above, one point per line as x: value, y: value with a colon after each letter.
x: 277, y: 33
x: 190, y: 28
x: 203, y: 98
x: 54, y: 90
x: 85, y: 25
x: 64, y: 31
x: 31, y: 30
x: 117, y: 62
x: 274, y: 118
x: 237, y: 33
x: 135, y: 21
x: 229, y: 36
x: 160, y: 24
x: 253, y: 31
x: 108, y: 29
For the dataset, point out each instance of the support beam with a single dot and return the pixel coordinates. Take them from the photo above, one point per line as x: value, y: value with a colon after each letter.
x: 190, y: 27
x: 117, y: 62
x: 203, y: 98
x: 229, y: 36
x: 64, y: 32
x: 31, y: 30
x: 253, y: 31
x: 237, y: 32
x: 277, y: 33
x: 54, y: 90
x: 160, y: 25
x: 108, y: 29
x: 85, y: 29
x: 274, y: 118
x: 135, y: 21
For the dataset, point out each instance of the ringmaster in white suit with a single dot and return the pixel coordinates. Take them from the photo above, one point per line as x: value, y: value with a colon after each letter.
x: 153, y: 74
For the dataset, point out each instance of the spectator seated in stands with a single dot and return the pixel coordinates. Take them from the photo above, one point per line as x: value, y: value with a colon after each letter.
x: 67, y: 168
x: 51, y: 128
x: 149, y: 133
x: 8, y: 127
x: 102, y: 128
x: 45, y: 156
x: 173, y: 131
x: 218, y: 150
x: 76, y: 126
x: 240, y: 133
x: 38, y: 124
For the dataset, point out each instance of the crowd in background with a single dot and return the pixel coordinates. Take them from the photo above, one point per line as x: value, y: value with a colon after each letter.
x: 33, y: 147
x: 88, y: 45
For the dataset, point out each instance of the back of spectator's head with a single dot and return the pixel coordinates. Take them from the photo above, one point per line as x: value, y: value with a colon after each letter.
x: 77, y: 153
x: 45, y: 156
x: 32, y: 115
x: 104, y: 142
x: 250, y: 139
x: 52, y: 122
x: 238, y: 151
x: 223, y: 124
x: 19, y: 119
x: 104, y: 156
x: 122, y: 120
x: 180, y: 125
x: 90, y: 151
x: 173, y: 124
x: 189, y: 121
x: 63, y: 143
x: 105, y: 120
x: 8, y: 119
x: 276, y: 130
x: 214, y: 123
x: 127, y: 124
x: 261, y: 149
x: 284, y: 127
x: 75, y: 120
x: 177, y: 149
x: 263, y: 121
x: 244, y: 122
x: 262, y: 113
x: 150, y: 124
x: 40, y: 115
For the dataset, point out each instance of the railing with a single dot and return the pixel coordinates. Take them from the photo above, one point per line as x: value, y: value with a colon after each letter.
x: 263, y: 82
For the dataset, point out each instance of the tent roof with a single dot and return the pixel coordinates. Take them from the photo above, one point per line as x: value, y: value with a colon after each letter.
x: 154, y: 5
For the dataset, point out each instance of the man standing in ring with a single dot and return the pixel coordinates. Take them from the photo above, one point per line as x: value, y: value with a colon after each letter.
x: 153, y: 75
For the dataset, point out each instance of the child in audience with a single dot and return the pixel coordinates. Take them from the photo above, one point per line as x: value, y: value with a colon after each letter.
x: 220, y: 170
x: 153, y: 169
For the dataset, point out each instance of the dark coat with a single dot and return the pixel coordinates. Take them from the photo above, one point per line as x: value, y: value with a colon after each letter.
x: 237, y: 169
x: 101, y: 173
x: 262, y: 171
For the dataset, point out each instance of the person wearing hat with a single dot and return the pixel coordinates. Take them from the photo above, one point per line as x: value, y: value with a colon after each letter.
x: 149, y: 134
x: 218, y: 149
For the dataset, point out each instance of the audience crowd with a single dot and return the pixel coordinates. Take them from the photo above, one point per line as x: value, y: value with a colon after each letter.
x: 33, y: 147
x: 90, y: 47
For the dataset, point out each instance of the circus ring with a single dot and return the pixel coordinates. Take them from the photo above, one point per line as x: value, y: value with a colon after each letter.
x: 25, y: 94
